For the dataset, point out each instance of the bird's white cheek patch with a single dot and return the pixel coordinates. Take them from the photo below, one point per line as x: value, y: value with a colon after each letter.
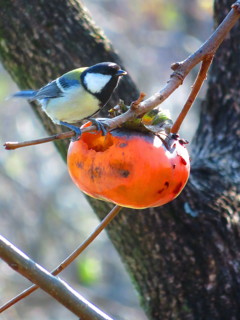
x: 95, y: 82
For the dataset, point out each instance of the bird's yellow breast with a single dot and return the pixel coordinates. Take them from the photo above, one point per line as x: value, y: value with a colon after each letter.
x: 73, y: 106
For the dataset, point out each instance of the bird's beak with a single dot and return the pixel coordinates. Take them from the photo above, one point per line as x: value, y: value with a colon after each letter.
x: 121, y: 73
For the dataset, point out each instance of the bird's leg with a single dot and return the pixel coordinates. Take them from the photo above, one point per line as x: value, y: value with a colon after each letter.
x: 77, y: 130
x: 100, y: 125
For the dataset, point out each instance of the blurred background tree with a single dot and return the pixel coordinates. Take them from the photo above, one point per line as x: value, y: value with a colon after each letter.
x: 40, y: 205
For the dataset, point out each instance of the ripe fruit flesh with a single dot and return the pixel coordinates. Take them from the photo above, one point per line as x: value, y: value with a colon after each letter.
x: 129, y: 168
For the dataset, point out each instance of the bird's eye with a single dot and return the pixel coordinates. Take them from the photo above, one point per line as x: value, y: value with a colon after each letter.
x: 114, y: 66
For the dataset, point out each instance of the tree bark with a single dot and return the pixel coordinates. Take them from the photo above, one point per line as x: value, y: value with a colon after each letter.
x: 184, y: 257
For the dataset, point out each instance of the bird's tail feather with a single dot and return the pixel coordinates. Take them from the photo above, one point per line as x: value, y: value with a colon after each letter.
x: 26, y: 94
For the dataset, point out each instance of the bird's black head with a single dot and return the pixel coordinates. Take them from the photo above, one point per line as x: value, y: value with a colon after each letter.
x: 101, y: 80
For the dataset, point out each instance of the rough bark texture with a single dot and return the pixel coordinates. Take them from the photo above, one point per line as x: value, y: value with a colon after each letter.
x: 183, y: 258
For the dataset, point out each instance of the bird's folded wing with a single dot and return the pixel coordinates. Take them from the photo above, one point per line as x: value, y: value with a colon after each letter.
x: 51, y: 90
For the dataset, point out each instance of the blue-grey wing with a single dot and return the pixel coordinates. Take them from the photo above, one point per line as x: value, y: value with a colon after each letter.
x: 51, y: 90
x: 56, y: 88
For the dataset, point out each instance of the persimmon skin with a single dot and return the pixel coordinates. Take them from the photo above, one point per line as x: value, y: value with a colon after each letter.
x: 129, y: 168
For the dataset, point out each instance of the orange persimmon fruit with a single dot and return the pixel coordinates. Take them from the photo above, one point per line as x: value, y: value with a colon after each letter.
x: 129, y: 168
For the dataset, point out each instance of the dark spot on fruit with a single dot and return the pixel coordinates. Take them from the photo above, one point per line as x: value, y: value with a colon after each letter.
x: 124, y: 173
x: 123, y: 145
x: 178, y: 188
x: 183, y: 161
x: 120, y: 168
x: 174, y: 165
x: 79, y: 164
x: 166, y: 185
x: 95, y: 172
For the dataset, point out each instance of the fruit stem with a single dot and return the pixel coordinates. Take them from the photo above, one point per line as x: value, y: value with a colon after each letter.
x: 193, y: 94
x: 102, y: 225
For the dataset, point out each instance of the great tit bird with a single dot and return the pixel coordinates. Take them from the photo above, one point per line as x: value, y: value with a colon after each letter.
x: 77, y: 94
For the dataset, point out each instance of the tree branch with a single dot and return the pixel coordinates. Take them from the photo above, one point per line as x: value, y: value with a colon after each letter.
x: 181, y: 70
x: 102, y: 225
x: 193, y: 94
x: 54, y: 286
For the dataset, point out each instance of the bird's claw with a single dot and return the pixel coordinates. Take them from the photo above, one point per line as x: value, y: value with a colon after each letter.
x: 77, y: 136
x: 100, y: 125
x: 76, y: 129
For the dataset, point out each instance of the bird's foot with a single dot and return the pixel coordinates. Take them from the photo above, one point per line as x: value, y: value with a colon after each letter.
x: 77, y: 130
x: 99, y: 124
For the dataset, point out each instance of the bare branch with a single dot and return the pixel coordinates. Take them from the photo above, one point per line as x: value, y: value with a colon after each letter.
x: 193, y: 94
x: 102, y: 225
x: 135, y: 104
x: 59, y: 136
x: 54, y: 286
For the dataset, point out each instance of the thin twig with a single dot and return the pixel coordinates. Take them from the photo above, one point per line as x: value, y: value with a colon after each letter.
x: 135, y: 104
x: 52, y: 285
x: 102, y: 225
x: 181, y: 70
x: 193, y: 94
x: 59, y: 136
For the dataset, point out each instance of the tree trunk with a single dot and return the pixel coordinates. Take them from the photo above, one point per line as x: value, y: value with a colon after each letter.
x: 184, y: 257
